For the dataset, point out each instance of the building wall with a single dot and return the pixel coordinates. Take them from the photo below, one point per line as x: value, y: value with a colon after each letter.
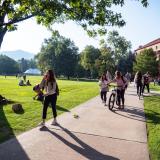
x: 155, y: 47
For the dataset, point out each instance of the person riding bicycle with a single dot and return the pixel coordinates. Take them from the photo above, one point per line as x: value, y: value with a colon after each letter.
x: 138, y: 79
x: 121, y: 82
x: 103, y: 88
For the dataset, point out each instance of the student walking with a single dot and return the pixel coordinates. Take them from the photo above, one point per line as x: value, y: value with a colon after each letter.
x: 121, y: 82
x: 138, y: 79
x: 146, y: 81
x: 103, y: 88
x: 51, y: 92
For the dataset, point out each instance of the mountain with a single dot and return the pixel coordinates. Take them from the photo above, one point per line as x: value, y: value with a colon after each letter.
x: 18, y: 54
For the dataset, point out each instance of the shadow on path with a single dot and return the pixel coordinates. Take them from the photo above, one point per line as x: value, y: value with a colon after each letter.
x: 134, y: 113
x: 10, y: 149
x: 85, y: 150
x: 62, y: 109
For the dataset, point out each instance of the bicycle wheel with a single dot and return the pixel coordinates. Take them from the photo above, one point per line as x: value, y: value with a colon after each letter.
x: 111, y: 101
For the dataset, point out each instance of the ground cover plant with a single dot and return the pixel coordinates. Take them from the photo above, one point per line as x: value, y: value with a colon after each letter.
x: 72, y: 93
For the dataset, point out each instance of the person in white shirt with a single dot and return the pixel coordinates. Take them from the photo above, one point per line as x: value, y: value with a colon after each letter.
x: 121, y: 83
x: 50, y: 86
x: 103, y: 88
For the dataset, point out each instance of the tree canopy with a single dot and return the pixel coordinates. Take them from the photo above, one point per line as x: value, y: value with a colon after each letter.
x: 87, y: 13
x: 146, y: 62
x: 58, y: 53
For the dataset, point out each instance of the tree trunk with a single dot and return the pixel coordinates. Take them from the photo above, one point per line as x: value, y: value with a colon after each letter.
x: 3, y: 31
x: 68, y: 77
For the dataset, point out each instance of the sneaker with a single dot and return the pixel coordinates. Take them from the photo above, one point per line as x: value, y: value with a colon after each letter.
x: 54, y: 122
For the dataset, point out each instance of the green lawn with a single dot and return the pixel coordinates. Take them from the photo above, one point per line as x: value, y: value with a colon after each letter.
x: 155, y: 88
x: 72, y: 93
x: 152, y: 111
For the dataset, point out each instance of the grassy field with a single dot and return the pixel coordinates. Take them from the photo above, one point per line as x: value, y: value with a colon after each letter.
x: 155, y: 88
x: 72, y: 93
x: 152, y: 111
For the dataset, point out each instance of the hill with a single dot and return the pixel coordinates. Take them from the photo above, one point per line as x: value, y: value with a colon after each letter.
x: 18, y: 54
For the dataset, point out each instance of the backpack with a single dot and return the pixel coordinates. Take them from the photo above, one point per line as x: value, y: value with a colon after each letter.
x: 146, y: 79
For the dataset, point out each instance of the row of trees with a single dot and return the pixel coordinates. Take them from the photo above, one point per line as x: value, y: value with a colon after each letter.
x: 10, y: 66
x: 61, y: 54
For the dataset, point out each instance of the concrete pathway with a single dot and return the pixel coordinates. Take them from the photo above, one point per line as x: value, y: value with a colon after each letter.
x: 97, y: 134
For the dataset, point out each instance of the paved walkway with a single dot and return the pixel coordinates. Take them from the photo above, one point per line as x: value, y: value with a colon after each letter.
x: 97, y: 134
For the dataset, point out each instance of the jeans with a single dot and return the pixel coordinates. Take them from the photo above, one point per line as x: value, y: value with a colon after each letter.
x: 120, y: 96
x: 50, y: 99
x: 147, y: 85
x: 103, y: 96
x: 139, y: 88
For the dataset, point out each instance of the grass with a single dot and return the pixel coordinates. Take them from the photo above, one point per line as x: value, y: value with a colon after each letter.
x: 155, y: 88
x: 152, y: 112
x: 72, y: 93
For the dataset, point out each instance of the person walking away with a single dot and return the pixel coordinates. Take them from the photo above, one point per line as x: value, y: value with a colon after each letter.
x: 121, y: 83
x: 146, y: 81
x: 51, y: 92
x: 138, y: 78
x: 103, y: 88
x: 128, y: 77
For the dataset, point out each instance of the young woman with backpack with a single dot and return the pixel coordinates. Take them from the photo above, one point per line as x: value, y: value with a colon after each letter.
x: 121, y: 83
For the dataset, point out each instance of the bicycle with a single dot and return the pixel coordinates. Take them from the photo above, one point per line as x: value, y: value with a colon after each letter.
x: 113, y: 98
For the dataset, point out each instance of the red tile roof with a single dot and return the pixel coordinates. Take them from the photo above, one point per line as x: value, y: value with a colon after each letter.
x: 149, y: 44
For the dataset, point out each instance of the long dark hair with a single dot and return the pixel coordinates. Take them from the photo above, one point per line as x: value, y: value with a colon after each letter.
x: 105, y: 77
x: 51, y: 78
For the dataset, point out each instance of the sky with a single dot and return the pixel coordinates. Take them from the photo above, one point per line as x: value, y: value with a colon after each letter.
x: 142, y: 26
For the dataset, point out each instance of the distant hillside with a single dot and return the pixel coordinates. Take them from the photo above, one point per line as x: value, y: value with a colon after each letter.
x: 18, y: 54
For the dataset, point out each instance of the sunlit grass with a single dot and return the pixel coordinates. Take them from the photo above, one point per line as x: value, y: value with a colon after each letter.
x: 72, y: 93
x: 152, y: 112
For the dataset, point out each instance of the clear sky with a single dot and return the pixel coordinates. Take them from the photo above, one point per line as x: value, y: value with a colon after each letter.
x: 142, y: 26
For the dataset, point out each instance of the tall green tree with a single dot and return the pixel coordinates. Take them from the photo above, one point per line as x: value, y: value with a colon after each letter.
x: 8, y: 65
x: 86, y: 13
x: 88, y: 59
x: 119, y: 45
x: 105, y: 62
x: 146, y: 62
x: 125, y: 64
x: 58, y: 53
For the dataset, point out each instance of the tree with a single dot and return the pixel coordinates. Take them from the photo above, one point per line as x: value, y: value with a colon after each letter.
x: 146, y: 62
x: 86, y: 13
x: 8, y: 65
x: 120, y: 46
x: 105, y: 62
x: 23, y: 65
x: 125, y: 64
x: 58, y: 53
x: 88, y: 59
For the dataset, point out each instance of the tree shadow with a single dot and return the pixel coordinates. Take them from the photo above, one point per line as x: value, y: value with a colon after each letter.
x: 134, y: 113
x: 62, y: 108
x: 10, y: 149
x: 84, y: 149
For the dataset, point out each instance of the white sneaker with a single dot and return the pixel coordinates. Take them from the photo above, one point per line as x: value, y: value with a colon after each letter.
x: 54, y: 122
